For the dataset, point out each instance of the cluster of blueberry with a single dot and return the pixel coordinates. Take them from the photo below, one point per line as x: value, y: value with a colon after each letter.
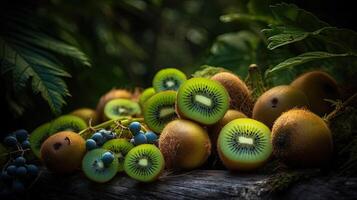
x: 99, y: 138
x: 141, y: 137
x: 17, y: 173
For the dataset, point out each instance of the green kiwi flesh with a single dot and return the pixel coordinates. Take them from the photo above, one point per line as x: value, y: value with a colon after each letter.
x: 38, y: 136
x: 168, y: 79
x: 202, y: 100
x: 67, y: 123
x: 120, y: 147
x: 244, y: 144
x: 160, y: 110
x: 147, y: 93
x: 94, y: 168
x: 117, y: 108
x: 144, y: 163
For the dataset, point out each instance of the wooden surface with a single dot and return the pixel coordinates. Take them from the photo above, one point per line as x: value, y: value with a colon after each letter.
x: 203, y: 184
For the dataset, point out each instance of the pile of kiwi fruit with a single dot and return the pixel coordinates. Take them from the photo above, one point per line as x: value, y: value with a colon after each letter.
x: 195, y: 118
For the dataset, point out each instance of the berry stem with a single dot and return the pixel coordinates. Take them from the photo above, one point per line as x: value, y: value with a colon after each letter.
x: 340, y: 107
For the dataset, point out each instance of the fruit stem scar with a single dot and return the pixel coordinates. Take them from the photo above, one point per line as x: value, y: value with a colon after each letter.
x: 245, y: 140
x: 203, y: 100
x: 143, y: 162
x: 166, y: 111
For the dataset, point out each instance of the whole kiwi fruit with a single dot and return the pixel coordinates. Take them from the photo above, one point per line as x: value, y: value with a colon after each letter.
x: 184, y: 144
x: 277, y: 100
x: 301, y: 138
x: 63, y: 152
x: 240, y: 95
x: 86, y: 114
x: 318, y: 86
x: 112, y: 94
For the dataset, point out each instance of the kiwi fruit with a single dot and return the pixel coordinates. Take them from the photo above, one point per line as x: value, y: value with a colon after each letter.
x: 144, y: 163
x: 147, y: 93
x: 38, y: 136
x: 94, y: 168
x: 168, y: 79
x: 301, y: 138
x: 216, y: 128
x: 240, y: 95
x: 67, y: 123
x: 159, y: 110
x: 206, y: 71
x: 202, y: 100
x: 184, y: 144
x: 117, y: 108
x: 112, y: 94
x: 63, y: 152
x: 277, y: 100
x: 120, y: 147
x: 244, y: 144
x: 86, y: 114
x: 318, y: 86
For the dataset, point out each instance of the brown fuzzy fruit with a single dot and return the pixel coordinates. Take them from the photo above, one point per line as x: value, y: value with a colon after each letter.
x: 86, y: 114
x: 240, y: 97
x: 300, y: 138
x: 271, y: 104
x: 112, y: 94
x: 184, y: 144
x: 318, y: 86
x: 63, y: 152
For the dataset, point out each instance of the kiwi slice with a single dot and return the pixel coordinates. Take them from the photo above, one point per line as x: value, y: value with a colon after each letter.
x: 67, y: 123
x: 120, y: 147
x: 147, y: 93
x: 168, y: 79
x: 38, y: 136
x: 144, y: 163
x: 121, y: 107
x: 244, y: 144
x: 202, y: 100
x: 94, y: 168
x: 160, y: 110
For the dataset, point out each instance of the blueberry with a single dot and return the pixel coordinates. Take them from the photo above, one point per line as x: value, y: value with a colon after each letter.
x: 107, y: 158
x: 11, y: 170
x: 108, y: 135
x: 140, y: 139
x: 151, y: 137
x: 5, y: 176
x: 18, y: 186
x: 21, y: 135
x: 91, y: 144
x: 135, y: 127
x: 132, y: 141
x: 21, y: 171
x: 25, y: 144
x: 10, y: 141
x: 20, y: 161
x: 32, y: 170
x: 98, y: 138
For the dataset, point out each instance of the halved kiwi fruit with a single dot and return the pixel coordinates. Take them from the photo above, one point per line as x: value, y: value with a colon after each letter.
x: 302, y: 139
x: 272, y: 103
x: 184, y: 144
x: 168, y: 79
x: 147, y: 93
x: 318, y: 86
x: 94, y: 168
x: 159, y: 110
x: 120, y: 147
x: 240, y: 97
x: 202, y: 100
x: 86, y: 114
x: 244, y: 144
x: 144, y: 163
x: 117, y: 108
x: 67, y: 123
x: 38, y: 136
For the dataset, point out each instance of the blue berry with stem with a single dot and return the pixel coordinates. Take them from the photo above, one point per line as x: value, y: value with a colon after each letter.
x: 21, y: 135
x: 151, y: 137
x: 25, y: 144
x: 140, y: 139
x: 98, y: 138
x: 21, y: 171
x: 107, y: 158
x: 108, y: 135
x: 91, y: 144
x: 135, y: 128
x: 20, y: 161
x: 10, y: 141
x: 11, y: 170
x: 32, y: 170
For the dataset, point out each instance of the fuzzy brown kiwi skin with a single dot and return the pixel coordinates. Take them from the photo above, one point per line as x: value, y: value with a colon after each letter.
x: 318, y: 86
x: 184, y: 144
x: 112, y: 94
x: 240, y: 95
x: 271, y: 104
x: 301, y: 138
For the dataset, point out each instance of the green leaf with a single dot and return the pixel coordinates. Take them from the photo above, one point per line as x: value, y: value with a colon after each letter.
x: 246, y: 17
x: 304, y: 58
